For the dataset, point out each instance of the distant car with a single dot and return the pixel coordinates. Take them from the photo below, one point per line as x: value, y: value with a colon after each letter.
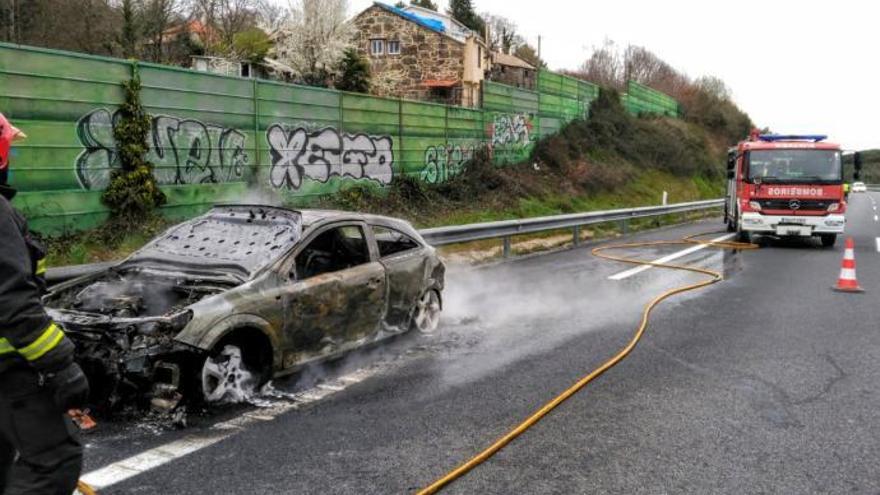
x: 220, y: 304
x: 859, y: 187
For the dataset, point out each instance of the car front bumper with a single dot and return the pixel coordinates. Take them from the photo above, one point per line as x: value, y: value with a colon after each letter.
x: 813, y: 225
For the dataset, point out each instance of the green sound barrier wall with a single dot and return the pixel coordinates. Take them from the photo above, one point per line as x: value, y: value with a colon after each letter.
x: 218, y: 139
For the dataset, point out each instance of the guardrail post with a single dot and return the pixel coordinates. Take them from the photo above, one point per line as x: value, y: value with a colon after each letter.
x: 505, y: 249
x: 624, y: 227
x: 576, y: 235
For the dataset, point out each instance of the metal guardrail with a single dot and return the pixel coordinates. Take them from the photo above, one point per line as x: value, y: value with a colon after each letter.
x: 443, y: 236
x: 505, y: 229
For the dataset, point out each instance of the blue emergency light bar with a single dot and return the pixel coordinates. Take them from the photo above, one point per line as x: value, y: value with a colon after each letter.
x: 771, y: 138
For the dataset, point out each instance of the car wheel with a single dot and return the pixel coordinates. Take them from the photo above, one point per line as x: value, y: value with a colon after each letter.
x: 426, y: 316
x: 828, y: 240
x: 225, y: 378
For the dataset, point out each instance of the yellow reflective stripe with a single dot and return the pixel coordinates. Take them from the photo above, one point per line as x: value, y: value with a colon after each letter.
x: 5, y: 347
x: 41, y: 266
x: 44, y: 343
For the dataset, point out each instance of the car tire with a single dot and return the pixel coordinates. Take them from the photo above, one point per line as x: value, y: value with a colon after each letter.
x: 228, y: 374
x: 426, y: 314
x: 828, y: 240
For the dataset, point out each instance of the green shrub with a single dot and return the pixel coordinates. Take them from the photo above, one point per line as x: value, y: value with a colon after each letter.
x: 133, y: 194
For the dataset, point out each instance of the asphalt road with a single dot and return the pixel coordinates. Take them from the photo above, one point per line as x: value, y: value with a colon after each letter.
x: 764, y: 383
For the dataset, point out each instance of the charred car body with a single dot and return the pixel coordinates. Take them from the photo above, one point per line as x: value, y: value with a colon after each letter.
x: 245, y: 293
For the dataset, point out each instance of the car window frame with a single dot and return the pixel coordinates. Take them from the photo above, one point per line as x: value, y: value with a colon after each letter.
x: 419, y: 244
x: 289, y: 264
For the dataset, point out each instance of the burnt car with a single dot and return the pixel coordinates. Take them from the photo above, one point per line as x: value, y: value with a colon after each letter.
x: 219, y: 305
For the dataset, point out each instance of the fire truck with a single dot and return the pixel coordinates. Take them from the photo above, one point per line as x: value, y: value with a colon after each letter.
x: 786, y: 186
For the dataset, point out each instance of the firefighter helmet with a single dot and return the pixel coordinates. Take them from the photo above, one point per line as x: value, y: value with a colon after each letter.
x: 8, y: 134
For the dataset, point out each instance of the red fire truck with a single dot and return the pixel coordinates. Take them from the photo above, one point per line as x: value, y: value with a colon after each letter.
x: 786, y: 186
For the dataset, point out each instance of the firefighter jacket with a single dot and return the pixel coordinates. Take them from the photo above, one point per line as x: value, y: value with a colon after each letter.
x: 27, y: 334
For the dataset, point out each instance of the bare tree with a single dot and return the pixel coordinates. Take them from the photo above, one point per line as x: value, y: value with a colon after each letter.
x: 314, y: 39
x: 714, y: 86
x: 604, y: 67
x: 502, y: 33
x: 157, y: 17
x: 271, y: 16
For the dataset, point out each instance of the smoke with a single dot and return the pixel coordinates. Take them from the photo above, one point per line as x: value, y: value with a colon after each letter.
x: 260, y: 196
x: 521, y: 309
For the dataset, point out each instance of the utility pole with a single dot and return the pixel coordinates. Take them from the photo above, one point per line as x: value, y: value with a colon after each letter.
x: 539, y: 47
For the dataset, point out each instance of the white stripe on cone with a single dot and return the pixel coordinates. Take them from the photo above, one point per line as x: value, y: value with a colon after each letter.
x: 847, y: 274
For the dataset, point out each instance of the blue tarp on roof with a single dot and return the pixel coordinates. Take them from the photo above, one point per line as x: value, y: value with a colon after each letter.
x: 432, y: 24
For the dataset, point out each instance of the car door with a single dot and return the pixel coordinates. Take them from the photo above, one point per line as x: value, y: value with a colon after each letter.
x: 337, y: 292
x: 404, y: 260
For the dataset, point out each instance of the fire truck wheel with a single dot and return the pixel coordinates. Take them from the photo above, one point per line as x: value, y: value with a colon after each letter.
x: 828, y: 240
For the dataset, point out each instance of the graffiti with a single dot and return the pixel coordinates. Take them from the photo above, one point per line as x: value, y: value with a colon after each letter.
x: 183, y: 151
x: 298, y: 154
x: 444, y: 162
x: 511, y: 130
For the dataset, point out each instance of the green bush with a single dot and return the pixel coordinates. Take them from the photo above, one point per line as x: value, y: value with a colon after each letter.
x: 133, y: 194
x: 603, y: 151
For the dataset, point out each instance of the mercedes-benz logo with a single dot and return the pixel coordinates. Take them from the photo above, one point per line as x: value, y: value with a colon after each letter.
x: 794, y: 204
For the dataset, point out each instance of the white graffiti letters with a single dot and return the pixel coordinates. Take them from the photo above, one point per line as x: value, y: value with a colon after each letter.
x: 319, y: 155
x: 182, y: 151
x: 445, y: 162
x: 511, y: 129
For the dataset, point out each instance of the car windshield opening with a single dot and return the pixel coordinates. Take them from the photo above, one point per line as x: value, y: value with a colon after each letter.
x: 783, y: 165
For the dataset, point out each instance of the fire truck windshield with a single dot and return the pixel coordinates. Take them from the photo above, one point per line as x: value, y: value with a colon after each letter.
x: 795, y: 166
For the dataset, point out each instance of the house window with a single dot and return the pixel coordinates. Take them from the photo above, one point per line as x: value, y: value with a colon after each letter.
x: 479, y: 57
x: 393, y: 48
x: 245, y: 69
x: 377, y: 47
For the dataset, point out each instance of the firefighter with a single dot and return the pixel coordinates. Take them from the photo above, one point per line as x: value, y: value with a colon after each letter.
x: 40, y: 452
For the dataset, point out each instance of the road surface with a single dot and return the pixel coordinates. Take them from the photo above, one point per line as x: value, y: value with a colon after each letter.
x: 764, y: 383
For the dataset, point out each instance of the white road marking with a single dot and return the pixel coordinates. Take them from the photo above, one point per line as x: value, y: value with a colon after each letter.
x: 878, y: 244
x: 128, y: 468
x: 665, y: 259
x: 876, y: 218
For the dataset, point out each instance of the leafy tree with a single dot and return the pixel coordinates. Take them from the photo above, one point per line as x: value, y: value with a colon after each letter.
x: 314, y: 39
x: 353, y: 73
x: 425, y: 4
x: 530, y: 55
x: 251, y: 44
x: 463, y: 11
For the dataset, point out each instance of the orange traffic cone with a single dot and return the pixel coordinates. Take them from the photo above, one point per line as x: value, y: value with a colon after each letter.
x: 847, y: 281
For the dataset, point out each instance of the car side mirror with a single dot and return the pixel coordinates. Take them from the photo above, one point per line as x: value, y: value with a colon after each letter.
x: 731, y: 161
x: 731, y: 174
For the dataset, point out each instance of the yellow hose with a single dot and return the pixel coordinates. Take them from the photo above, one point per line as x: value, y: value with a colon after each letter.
x: 715, y: 276
x: 84, y: 489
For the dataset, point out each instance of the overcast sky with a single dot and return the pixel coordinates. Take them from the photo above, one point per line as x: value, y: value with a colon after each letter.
x: 797, y: 67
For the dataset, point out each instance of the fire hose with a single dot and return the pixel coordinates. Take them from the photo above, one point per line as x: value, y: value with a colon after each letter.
x: 601, y: 252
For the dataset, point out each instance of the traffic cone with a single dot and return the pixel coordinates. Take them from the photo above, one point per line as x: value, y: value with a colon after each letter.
x: 847, y: 281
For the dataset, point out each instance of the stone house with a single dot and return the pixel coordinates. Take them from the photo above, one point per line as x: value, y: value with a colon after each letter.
x: 513, y: 71
x: 421, y: 54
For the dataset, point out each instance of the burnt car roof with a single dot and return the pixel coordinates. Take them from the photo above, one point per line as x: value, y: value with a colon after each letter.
x: 315, y: 217
x: 245, y: 238
x: 241, y: 238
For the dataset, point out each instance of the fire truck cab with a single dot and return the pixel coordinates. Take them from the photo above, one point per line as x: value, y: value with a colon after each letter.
x: 786, y: 186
